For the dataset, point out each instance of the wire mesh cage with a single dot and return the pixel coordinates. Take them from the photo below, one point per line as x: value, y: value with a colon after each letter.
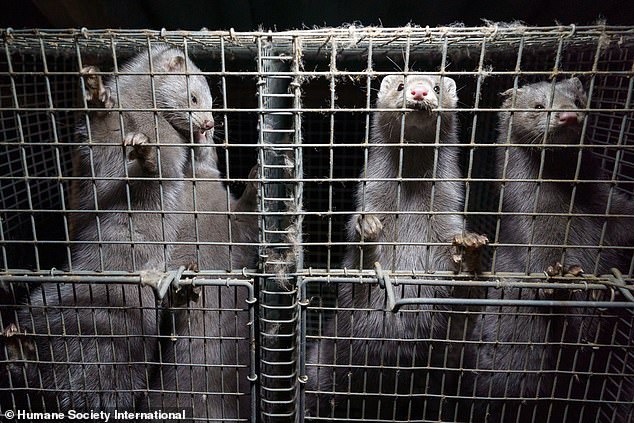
x: 350, y: 224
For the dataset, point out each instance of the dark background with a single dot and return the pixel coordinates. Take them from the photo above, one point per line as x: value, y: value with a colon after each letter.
x: 245, y: 15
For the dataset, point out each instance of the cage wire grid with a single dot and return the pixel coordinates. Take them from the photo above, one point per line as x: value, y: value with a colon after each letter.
x: 299, y: 105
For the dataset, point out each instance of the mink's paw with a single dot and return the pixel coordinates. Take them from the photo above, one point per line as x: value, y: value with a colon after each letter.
x: 557, y: 269
x: 467, y: 251
x: 369, y: 227
x: 18, y: 346
x: 135, y: 139
x: 192, y: 266
x: 551, y: 271
x: 554, y: 270
x: 470, y: 240
x: 142, y: 151
x: 96, y: 94
x: 575, y: 271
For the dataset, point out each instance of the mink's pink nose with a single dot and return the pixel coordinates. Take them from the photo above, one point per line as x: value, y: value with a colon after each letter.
x: 568, y: 118
x: 419, y: 93
x: 207, y: 124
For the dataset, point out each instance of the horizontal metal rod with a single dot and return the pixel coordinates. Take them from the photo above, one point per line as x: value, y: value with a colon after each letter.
x: 579, y: 283
x: 526, y: 401
x: 309, y: 180
x: 310, y: 275
x: 190, y: 279
x: 315, y: 213
x: 330, y: 145
x: 133, y: 335
x: 228, y: 282
x: 333, y: 110
x: 398, y: 304
x: 370, y: 73
x: 307, y: 244
x: 522, y: 31
x: 320, y: 214
x: 466, y: 369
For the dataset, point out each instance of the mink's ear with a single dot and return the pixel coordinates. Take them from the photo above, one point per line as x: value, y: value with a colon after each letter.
x: 509, y: 93
x: 581, y: 93
x: 576, y: 82
x: 389, y: 81
x: 449, y: 85
x: 176, y: 64
x: 506, y: 94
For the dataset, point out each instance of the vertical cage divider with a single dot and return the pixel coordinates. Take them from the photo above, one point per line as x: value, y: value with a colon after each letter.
x: 279, y: 199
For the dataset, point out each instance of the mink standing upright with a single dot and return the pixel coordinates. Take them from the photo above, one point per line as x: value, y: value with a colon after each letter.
x: 92, y: 341
x: 552, y: 361
x: 405, y: 225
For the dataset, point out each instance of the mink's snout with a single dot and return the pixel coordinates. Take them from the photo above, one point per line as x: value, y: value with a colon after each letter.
x: 568, y: 118
x: 419, y: 92
x: 207, y: 125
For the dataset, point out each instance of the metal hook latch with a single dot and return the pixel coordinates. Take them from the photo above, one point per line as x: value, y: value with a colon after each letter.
x: 161, y: 281
x: 617, y: 279
x: 386, y: 283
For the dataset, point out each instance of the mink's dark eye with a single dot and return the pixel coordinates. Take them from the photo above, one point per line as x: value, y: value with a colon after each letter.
x: 539, y: 106
x: 437, y: 89
x: 194, y: 99
x: 579, y: 104
x: 400, y: 87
